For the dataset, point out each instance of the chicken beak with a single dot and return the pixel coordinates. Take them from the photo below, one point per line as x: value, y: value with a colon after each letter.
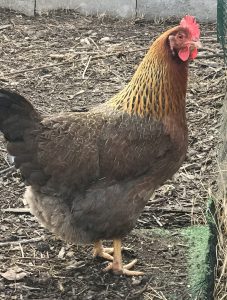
x: 195, y: 45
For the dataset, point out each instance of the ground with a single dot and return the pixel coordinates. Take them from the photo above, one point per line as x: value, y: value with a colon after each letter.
x: 65, y: 62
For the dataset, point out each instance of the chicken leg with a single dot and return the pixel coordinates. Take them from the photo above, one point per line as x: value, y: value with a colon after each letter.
x: 100, y: 251
x: 117, y: 267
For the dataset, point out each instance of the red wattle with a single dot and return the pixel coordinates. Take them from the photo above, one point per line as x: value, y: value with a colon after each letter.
x: 194, y: 53
x: 184, y: 54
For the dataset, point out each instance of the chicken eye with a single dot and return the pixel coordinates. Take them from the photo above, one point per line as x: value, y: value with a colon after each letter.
x: 180, y: 36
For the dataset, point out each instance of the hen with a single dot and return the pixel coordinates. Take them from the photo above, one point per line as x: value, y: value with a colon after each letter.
x: 90, y: 174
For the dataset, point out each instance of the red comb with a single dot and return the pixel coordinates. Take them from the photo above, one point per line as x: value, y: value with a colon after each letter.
x: 189, y: 22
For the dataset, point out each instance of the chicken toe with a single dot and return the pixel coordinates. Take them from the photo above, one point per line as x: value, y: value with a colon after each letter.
x: 117, y: 267
x: 100, y: 251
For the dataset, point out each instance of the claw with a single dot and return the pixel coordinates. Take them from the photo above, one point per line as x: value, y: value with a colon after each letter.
x: 100, y: 251
x: 125, y: 270
x: 116, y: 266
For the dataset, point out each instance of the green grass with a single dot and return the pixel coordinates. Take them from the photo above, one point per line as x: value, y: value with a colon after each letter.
x: 198, y: 238
x: 202, y: 241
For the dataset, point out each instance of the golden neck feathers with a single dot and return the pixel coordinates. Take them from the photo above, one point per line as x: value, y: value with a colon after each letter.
x: 158, y: 87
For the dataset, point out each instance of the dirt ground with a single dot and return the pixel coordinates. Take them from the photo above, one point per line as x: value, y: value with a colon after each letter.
x: 64, y: 62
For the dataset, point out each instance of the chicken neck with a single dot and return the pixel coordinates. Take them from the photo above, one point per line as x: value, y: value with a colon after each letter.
x: 158, y: 87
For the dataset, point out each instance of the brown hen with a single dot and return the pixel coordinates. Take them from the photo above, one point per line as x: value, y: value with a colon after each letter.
x: 90, y: 174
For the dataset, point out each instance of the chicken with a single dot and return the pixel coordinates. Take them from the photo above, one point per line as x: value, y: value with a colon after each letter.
x: 90, y: 174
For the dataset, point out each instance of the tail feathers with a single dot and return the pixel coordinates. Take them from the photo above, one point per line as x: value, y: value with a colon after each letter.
x: 15, y: 101
x: 20, y: 123
x: 16, y: 114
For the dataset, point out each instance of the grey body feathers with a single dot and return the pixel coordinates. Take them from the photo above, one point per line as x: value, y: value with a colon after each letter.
x: 89, y: 175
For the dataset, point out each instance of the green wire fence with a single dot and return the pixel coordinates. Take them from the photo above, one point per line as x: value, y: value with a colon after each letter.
x: 222, y: 25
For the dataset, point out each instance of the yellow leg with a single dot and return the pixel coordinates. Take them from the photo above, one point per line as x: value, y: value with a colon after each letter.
x: 117, y: 267
x: 100, y: 251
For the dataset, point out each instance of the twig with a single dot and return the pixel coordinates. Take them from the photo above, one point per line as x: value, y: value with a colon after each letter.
x: 210, y: 56
x: 18, y: 210
x: 30, y: 287
x: 208, y: 50
x: 81, y: 292
x: 69, y: 61
x: 21, y: 250
x: 32, y: 258
x: 157, y: 294
x: 28, y: 241
x: 39, y: 68
x: 86, y: 67
x: 216, y: 97
x: 94, y: 42
x: 7, y: 170
x: 5, y: 26
x: 157, y: 220
x: 211, y: 40
x: 7, y: 162
x: 79, y: 93
x: 173, y: 209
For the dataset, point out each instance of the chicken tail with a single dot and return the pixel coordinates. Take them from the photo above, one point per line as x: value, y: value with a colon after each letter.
x: 16, y: 114
x: 20, y: 122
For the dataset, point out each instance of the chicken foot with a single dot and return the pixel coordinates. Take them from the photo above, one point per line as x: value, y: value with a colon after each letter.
x: 100, y: 251
x: 117, y: 267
